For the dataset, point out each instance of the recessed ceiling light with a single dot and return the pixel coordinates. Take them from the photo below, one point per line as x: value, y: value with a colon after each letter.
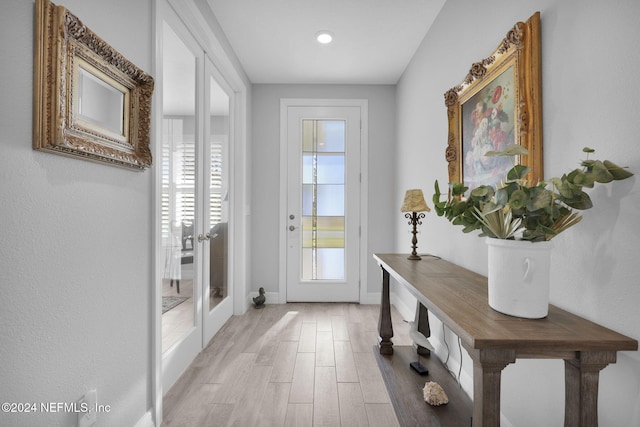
x: 324, y: 37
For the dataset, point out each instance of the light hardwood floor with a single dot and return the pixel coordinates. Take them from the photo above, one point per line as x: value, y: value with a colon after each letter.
x: 288, y: 365
x: 179, y: 320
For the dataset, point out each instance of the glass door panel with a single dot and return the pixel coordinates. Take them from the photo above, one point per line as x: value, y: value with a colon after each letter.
x: 323, y: 199
x: 218, y: 193
x: 178, y: 157
x: 217, y: 290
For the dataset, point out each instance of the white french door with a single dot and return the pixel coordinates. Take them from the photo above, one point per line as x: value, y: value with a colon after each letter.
x: 195, y: 157
x: 179, y: 156
x: 323, y: 202
x: 217, y: 283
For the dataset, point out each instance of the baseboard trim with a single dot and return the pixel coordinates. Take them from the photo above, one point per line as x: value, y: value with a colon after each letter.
x: 146, y: 421
x: 407, y: 313
x: 274, y: 298
x: 371, y: 298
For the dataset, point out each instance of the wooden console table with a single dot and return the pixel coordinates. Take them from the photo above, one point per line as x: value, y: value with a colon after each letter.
x: 458, y: 297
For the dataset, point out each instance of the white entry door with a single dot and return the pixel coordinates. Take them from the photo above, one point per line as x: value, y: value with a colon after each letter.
x: 323, y: 202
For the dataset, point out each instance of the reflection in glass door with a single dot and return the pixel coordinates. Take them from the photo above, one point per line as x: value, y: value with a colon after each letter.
x: 218, y: 222
x: 178, y: 157
x: 218, y: 306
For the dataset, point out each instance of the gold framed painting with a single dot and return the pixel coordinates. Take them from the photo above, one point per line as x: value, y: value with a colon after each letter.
x: 498, y: 103
x: 90, y: 102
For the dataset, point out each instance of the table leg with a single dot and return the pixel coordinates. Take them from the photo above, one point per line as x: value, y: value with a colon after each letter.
x: 385, y: 328
x: 581, y: 387
x: 487, y: 370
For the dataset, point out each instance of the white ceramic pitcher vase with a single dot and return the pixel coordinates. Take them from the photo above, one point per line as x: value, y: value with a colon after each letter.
x: 518, y: 273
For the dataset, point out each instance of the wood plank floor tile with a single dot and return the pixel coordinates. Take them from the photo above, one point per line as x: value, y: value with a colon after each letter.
x: 352, y: 410
x: 307, y: 343
x: 381, y: 415
x: 243, y: 330
x: 346, y: 371
x: 324, y: 349
x: 323, y: 321
x: 263, y: 330
x: 339, y: 328
x: 370, y: 315
x: 326, y: 409
x: 361, y: 340
x: 371, y: 381
x: 285, y: 362
x: 293, y: 365
x: 299, y: 415
x: 302, y: 384
x: 219, y: 415
x: 292, y: 327
x: 196, y: 403
x: 236, y: 378
x: 273, y: 410
x: 353, y: 313
x: 309, y: 312
x: 247, y: 409
x: 173, y: 398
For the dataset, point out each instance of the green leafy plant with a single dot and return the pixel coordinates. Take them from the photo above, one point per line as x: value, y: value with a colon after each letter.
x: 516, y: 209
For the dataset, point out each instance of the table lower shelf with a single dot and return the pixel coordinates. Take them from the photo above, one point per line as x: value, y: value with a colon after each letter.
x: 405, y: 389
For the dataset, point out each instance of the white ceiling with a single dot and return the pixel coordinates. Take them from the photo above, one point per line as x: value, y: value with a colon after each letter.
x: 374, y: 39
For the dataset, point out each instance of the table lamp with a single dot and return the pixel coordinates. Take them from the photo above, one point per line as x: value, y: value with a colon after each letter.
x: 414, y: 206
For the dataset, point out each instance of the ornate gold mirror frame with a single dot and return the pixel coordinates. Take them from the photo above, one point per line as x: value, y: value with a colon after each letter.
x: 89, y: 100
x: 498, y: 103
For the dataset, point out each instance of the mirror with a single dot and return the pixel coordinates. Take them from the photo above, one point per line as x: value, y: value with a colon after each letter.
x: 89, y: 100
x: 100, y: 103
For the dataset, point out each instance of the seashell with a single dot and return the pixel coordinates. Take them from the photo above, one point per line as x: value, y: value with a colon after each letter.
x: 434, y: 394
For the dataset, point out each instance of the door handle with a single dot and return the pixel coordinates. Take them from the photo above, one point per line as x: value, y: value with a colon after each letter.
x: 202, y: 238
x: 292, y: 227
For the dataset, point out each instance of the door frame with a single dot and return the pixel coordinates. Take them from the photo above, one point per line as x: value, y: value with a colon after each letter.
x: 363, y: 104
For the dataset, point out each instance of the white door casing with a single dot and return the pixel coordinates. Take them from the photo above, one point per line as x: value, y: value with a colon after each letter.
x: 321, y: 241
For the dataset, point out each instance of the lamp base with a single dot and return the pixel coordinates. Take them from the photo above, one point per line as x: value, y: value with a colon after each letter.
x: 414, y: 220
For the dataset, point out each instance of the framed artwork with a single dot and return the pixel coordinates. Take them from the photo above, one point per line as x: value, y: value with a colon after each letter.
x: 90, y: 102
x: 498, y: 104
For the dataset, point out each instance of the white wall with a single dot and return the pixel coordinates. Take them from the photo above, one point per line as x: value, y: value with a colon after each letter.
x: 265, y: 182
x: 76, y: 254
x: 590, y: 98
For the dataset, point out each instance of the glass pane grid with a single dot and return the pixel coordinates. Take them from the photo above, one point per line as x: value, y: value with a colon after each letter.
x: 323, y: 198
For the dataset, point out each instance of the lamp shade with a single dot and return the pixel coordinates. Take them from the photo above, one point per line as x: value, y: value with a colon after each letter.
x: 414, y: 202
